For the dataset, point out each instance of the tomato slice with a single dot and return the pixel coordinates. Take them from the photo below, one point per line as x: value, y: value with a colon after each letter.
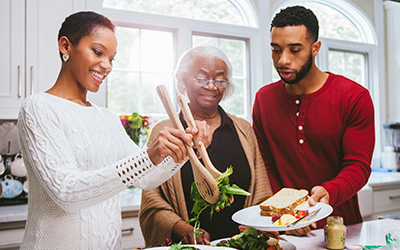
x: 300, y: 214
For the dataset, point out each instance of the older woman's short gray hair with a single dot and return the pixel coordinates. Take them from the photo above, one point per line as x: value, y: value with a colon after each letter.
x: 190, y: 56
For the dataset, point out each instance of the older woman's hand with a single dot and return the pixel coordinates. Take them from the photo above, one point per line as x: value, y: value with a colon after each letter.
x: 184, y: 233
x: 201, y: 134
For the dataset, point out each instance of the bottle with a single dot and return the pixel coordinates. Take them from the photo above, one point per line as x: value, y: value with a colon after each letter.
x: 335, y: 233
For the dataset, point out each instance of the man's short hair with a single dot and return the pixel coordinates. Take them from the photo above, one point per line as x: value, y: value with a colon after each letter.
x: 295, y: 16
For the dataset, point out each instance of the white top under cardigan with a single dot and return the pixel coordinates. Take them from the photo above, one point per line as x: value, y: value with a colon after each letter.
x: 78, y: 160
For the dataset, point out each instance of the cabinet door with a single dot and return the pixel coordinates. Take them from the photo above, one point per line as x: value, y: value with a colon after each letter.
x: 44, y: 19
x: 12, y: 61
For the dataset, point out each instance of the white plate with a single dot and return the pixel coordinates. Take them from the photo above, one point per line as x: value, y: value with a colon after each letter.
x: 202, y: 247
x: 250, y: 216
x: 283, y: 244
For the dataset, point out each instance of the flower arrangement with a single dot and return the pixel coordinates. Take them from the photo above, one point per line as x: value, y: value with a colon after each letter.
x: 137, y: 127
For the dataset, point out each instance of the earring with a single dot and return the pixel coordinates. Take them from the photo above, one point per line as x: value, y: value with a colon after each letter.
x: 65, y: 57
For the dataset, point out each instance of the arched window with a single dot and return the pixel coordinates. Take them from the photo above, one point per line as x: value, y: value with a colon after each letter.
x: 152, y: 36
x: 221, y: 11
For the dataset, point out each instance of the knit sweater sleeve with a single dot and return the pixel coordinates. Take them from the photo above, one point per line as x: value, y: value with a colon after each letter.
x: 48, y: 153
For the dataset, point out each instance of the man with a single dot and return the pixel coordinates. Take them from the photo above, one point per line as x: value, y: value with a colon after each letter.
x: 315, y: 129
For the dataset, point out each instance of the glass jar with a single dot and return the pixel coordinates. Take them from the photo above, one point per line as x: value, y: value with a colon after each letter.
x: 335, y: 233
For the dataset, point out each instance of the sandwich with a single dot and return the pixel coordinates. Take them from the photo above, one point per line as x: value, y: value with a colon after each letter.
x: 283, y: 202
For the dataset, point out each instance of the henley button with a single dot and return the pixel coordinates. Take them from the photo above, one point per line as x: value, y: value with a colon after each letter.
x: 301, y: 141
x: 300, y: 127
x: 297, y: 101
x: 297, y: 114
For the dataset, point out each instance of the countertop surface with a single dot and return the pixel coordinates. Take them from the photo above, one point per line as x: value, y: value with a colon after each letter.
x: 378, y: 179
x: 366, y: 233
x: 129, y: 198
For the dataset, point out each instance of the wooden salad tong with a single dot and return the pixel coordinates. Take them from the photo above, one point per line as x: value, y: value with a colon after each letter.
x: 187, y: 114
x: 206, y: 184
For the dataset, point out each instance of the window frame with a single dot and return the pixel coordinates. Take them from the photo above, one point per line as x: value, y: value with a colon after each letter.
x: 184, y: 29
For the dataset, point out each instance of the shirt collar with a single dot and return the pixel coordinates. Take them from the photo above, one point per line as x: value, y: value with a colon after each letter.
x: 225, y: 120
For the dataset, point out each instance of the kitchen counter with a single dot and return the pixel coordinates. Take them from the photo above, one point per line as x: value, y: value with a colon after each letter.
x: 379, y: 179
x: 130, y: 204
x: 366, y: 233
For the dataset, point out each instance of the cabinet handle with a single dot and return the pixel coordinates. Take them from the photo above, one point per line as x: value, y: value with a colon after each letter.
x: 19, y: 82
x: 32, y: 82
x: 392, y: 198
x: 128, y: 230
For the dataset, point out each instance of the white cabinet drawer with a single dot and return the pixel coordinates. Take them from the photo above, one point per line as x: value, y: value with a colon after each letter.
x: 387, y: 200
x: 11, y: 239
x: 131, y: 233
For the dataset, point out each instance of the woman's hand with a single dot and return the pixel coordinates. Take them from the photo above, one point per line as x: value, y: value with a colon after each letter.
x: 171, y: 142
x: 202, y: 134
x: 184, y: 232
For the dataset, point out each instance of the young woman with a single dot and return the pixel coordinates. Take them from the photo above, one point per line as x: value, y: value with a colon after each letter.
x: 78, y: 156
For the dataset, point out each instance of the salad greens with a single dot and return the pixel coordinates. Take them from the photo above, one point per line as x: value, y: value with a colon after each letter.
x: 178, y: 246
x: 249, y: 239
x: 226, y: 199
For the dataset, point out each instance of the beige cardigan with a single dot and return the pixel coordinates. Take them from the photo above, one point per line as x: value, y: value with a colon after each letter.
x: 162, y: 207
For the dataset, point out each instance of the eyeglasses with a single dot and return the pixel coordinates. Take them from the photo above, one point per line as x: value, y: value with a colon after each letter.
x: 218, y: 83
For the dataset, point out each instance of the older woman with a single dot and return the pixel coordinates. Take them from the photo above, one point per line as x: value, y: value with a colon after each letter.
x: 204, y: 74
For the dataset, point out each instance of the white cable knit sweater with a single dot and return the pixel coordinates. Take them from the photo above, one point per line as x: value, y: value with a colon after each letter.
x: 78, y: 160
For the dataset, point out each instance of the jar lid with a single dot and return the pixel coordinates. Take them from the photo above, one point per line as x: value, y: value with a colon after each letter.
x: 335, y: 220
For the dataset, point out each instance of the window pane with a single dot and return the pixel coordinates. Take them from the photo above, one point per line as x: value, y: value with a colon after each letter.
x: 144, y: 60
x: 156, y: 51
x: 332, y: 23
x: 121, y: 95
x: 349, y: 64
x: 236, y: 52
x: 222, y: 11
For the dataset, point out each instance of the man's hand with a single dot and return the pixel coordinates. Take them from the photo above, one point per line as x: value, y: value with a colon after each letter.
x: 301, y: 231
x: 318, y: 194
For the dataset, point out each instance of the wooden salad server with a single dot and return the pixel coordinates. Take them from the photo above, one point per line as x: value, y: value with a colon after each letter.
x: 187, y: 114
x: 206, y: 184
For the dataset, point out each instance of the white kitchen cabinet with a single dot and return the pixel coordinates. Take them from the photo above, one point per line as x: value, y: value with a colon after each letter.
x: 11, y: 234
x: 385, y: 194
x: 12, y: 62
x: 386, y: 201
x: 31, y: 62
x: 131, y: 234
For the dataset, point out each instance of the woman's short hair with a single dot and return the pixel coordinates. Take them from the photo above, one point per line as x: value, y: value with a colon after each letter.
x: 82, y: 24
x: 189, y: 57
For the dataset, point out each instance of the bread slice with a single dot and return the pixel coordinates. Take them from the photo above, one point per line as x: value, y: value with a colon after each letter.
x: 284, y: 201
x: 267, y: 213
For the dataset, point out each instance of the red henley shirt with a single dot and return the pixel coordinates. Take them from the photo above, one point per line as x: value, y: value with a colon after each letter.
x: 324, y: 138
